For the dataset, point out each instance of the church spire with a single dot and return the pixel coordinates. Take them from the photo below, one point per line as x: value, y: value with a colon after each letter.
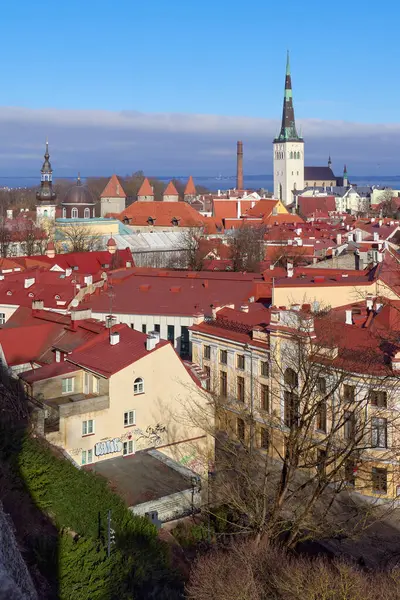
x: 46, y: 193
x: 288, y: 131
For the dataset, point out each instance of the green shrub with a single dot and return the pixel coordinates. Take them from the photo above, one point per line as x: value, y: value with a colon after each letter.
x: 78, y: 502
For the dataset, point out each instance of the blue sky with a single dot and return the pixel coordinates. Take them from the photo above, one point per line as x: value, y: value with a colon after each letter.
x: 218, y: 58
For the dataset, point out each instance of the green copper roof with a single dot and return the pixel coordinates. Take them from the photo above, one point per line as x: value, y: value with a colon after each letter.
x: 288, y: 131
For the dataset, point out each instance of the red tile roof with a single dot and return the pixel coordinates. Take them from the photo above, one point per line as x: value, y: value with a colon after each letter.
x: 100, y: 356
x: 152, y: 293
x: 263, y: 208
x: 145, y: 189
x: 311, y: 205
x: 162, y: 213
x: 190, y: 189
x: 170, y: 190
x: 113, y: 189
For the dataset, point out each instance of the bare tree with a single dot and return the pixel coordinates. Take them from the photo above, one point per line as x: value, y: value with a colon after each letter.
x: 191, y: 242
x: 290, y: 452
x: 388, y: 207
x: 81, y: 238
x: 249, y: 573
x: 247, y: 247
x: 5, y: 239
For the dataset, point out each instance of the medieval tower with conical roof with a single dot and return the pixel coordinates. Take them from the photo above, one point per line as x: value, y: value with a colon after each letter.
x: 288, y: 150
x: 46, y: 196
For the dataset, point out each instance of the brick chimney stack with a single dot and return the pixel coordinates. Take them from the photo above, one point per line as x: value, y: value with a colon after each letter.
x: 239, y: 172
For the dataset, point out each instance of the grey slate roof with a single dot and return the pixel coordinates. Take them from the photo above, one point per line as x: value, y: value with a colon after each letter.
x: 319, y: 174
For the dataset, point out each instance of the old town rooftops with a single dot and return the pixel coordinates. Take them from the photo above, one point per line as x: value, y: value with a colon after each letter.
x: 162, y: 214
x: 153, y: 292
x: 100, y: 354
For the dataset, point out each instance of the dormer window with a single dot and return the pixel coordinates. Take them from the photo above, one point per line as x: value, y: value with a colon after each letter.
x: 31, y: 295
x: 150, y: 221
x: 58, y: 356
x: 57, y: 297
x: 175, y: 222
x: 9, y: 293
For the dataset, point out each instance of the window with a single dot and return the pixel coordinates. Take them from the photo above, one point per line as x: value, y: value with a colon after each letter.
x: 321, y: 386
x: 291, y: 398
x: 291, y: 409
x: 157, y: 327
x: 349, y: 393
x: 264, y: 368
x: 64, y: 213
x: 207, y: 352
x: 129, y: 418
x: 87, y: 457
x: 264, y: 397
x: 74, y: 213
x: 171, y: 334
x: 240, y: 389
x: 349, y: 425
x: 58, y: 356
x: 321, y: 416
x: 240, y: 361
x: 350, y: 471
x: 378, y: 398
x: 207, y: 371
x: 88, y: 427
x: 321, y: 462
x: 240, y: 429
x: 2, y: 318
x: 185, y: 343
x: 138, y: 386
x: 144, y: 328
x: 223, y: 384
x: 128, y: 448
x: 223, y: 357
x: 264, y: 438
x: 86, y: 213
x: 96, y: 384
x: 379, y: 433
x: 379, y: 480
x: 68, y: 385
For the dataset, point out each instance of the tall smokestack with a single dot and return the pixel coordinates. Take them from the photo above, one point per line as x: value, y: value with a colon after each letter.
x: 239, y: 171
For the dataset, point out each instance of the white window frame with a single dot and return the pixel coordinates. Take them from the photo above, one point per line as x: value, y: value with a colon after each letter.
x: 66, y: 390
x: 96, y: 384
x: 138, y: 386
x: 74, y: 213
x: 58, y: 356
x: 86, y: 213
x: 87, y: 457
x: 128, y: 448
x: 88, y: 429
x: 129, y: 418
x: 2, y: 318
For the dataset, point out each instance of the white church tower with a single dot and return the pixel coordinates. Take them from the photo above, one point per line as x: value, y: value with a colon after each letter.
x: 288, y: 150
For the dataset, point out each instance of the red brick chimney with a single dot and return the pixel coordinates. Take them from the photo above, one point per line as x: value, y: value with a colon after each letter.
x: 239, y: 171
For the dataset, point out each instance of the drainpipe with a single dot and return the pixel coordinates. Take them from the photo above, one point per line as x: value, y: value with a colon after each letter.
x: 251, y: 398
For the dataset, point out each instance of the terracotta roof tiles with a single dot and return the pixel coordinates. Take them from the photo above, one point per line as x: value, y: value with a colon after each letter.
x: 113, y: 189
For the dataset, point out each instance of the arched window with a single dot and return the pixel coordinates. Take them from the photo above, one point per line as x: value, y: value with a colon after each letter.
x: 138, y: 386
x: 45, y: 214
x: 298, y: 155
x: 74, y: 213
x: 64, y: 213
x: 291, y: 155
x: 86, y: 214
x: 291, y: 398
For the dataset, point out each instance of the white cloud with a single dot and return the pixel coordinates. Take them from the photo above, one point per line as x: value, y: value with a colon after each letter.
x: 99, y: 142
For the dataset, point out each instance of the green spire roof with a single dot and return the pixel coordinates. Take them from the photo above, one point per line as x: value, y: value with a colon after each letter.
x: 288, y: 131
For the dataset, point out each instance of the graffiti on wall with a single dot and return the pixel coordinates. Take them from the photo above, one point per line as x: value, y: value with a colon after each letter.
x: 152, y: 436
x: 108, y: 447
x: 192, y: 462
